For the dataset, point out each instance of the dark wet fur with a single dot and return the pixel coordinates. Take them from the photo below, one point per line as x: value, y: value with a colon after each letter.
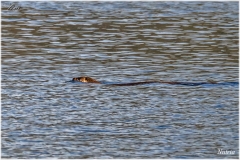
x: 91, y: 80
x: 88, y: 79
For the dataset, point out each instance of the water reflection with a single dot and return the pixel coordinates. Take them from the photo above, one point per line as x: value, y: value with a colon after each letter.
x: 45, y: 44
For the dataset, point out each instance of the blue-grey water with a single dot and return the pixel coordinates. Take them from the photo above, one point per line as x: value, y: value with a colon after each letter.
x: 45, y: 44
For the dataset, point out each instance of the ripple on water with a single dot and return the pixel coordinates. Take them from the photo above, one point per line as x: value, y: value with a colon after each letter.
x: 46, y: 44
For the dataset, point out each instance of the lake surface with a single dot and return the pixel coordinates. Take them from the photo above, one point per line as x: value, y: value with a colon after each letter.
x: 45, y: 44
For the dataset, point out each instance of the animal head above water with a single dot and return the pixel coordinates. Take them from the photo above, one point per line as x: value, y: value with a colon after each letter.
x: 85, y: 80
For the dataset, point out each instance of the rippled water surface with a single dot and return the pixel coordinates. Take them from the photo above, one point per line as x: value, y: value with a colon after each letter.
x: 45, y: 44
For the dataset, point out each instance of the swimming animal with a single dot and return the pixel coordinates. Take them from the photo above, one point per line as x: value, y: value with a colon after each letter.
x: 91, y: 80
x: 85, y: 80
